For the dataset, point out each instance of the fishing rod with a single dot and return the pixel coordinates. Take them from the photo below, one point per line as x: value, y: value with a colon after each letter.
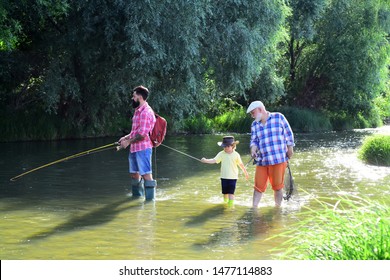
x: 250, y: 160
x: 89, y: 152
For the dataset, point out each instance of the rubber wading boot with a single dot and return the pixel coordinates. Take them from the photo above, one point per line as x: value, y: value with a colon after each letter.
x: 150, y: 189
x: 137, y: 187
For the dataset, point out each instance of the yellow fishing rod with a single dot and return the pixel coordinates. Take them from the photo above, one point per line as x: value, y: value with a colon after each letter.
x: 92, y: 151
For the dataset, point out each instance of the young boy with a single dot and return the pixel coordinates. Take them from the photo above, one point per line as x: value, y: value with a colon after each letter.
x: 229, y: 159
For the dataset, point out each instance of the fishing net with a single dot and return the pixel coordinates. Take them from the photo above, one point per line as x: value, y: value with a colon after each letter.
x: 290, y: 189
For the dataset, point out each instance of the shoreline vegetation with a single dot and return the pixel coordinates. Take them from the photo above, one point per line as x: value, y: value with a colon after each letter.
x: 40, y: 126
x: 363, y: 232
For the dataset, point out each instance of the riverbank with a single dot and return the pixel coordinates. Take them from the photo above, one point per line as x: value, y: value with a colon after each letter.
x: 29, y: 126
x: 300, y: 119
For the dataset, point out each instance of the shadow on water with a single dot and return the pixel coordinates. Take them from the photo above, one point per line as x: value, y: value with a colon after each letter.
x: 96, y: 217
x: 254, y: 223
x: 206, y: 215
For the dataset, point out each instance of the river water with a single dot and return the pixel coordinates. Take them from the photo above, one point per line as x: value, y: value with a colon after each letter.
x: 79, y: 209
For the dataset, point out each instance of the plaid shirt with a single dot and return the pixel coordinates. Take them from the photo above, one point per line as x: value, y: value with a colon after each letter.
x: 272, y: 139
x: 143, y: 123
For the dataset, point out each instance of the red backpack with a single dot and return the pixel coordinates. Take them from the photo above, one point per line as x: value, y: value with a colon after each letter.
x: 159, y: 130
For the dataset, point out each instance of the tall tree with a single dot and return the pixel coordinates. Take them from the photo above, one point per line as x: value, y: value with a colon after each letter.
x: 301, y: 26
x: 349, y: 66
x: 92, y: 53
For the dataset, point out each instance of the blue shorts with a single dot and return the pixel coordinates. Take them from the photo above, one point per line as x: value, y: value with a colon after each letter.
x: 141, y: 162
x: 228, y: 186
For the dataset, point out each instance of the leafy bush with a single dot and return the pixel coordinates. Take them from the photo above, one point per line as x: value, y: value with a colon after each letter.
x: 376, y: 150
x: 342, y: 121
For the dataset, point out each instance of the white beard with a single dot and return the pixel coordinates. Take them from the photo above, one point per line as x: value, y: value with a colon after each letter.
x: 258, y: 117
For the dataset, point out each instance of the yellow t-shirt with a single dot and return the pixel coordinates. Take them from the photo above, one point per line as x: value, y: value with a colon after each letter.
x: 229, y: 164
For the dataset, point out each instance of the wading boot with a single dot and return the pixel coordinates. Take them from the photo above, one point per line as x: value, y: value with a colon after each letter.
x: 137, y: 187
x: 150, y: 189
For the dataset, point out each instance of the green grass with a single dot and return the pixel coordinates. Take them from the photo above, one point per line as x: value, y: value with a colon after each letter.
x: 349, y: 229
x: 305, y: 120
x: 198, y: 125
x: 376, y: 150
x: 237, y: 121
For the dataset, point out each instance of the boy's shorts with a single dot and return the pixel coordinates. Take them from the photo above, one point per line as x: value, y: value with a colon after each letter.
x: 141, y: 162
x: 273, y: 173
x: 228, y: 186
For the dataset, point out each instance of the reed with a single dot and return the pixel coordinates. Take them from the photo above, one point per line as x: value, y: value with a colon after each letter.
x: 237, y: 121
x: 305, y: 120
x: 198, y: 125
x: 350, y: 229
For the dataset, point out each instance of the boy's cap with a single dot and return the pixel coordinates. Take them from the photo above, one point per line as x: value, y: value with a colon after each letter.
x: 254, y: 105
x: 227, y: 141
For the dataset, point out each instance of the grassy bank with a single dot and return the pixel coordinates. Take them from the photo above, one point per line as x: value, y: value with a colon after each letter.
x: 376, y: 150
x: 301, y: 120
x: 41, y: 126
x: 345, y: 230
x: 238, y: 121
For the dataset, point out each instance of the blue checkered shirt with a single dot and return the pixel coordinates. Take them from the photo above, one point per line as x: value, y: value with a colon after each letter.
x: 272, y: 139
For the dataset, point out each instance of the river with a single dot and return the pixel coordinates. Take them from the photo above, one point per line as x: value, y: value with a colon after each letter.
x: 79, y: 209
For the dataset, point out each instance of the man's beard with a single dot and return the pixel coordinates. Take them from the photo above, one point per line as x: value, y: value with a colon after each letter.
x: 135, y: 104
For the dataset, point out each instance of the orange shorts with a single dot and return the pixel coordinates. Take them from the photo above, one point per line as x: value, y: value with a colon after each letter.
x: 273, y: 173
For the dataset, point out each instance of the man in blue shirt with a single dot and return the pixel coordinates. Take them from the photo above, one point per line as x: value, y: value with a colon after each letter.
x: 271, y: 145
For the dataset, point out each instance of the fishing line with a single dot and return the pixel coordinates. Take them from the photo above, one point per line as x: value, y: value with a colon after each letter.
x: 180, y: 152
x: 89, y: 152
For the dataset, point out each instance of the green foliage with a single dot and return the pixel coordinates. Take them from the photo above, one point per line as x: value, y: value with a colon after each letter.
x: 343, y: 121
x: 238, y: 121
x: 301, y: 25
x: 363, y: 232
x: 382, y: 103
x: 305, y: 120
x: 199, y: 125
x: 348, y: 67
x: 77, y: 61
x: 233, y: 121
x: 22, y: 22
x: 237, y: 36
x: 90, y: 54
x: 376, y: 150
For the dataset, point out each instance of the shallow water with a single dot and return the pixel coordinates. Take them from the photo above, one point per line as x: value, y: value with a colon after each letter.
x: 79, y: 209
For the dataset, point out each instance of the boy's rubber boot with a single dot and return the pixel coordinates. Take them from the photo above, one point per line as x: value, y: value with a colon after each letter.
x: 150, y: 189
x: 137, y: 187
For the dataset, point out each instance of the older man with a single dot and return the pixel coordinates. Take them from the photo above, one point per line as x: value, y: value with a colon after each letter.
x: 272, y: 142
